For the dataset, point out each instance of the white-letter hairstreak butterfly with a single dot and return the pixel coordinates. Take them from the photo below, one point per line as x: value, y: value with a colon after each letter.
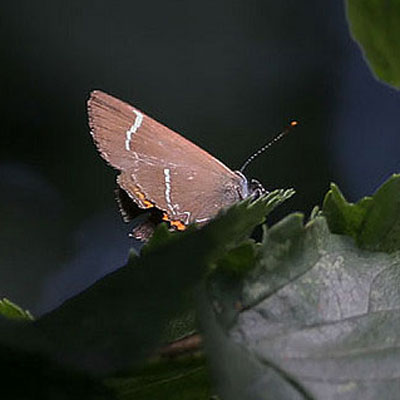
x: 161, y: 171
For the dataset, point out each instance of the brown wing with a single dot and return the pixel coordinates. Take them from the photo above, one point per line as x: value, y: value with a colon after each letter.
x: 158, y: 166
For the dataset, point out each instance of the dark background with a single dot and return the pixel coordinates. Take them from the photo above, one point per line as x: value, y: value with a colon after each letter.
x: 226, y: 74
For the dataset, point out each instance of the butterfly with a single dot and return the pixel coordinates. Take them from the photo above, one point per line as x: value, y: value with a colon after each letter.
x: 161, y: 172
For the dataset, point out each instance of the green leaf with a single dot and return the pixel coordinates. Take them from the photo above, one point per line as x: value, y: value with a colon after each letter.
x: 344, y: 217
x: 166, y: 380
x: 182, y: 324
x: 375, y: 24
x: 320, y: 319
x: 225, y: 282
x: 161, y: 236
x: 122, y: 318
x: 230, y: 293
x: 10, y: 310
x: 373, y: 222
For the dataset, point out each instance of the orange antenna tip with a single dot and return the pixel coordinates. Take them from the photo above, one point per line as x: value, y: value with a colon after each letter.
x: 278, y: 137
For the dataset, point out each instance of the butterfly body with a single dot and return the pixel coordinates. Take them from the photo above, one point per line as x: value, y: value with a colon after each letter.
x: 160, y: 170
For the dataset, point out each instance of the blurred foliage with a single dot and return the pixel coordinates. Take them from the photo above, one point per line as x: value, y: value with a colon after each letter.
x: 11, y: 310
x: 375, y: 24
x: 135, y: 303
x: 118, y: 322
x: 311, y: 311
x: 166, y: 380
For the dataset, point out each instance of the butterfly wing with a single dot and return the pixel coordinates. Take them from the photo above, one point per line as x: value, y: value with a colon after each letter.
x: 160, y: 168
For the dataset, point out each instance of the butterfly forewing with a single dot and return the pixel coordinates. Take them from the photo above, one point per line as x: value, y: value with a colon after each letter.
x: 160, y: 168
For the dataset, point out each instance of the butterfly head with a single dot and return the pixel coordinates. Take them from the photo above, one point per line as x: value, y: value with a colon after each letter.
x: 250, y: 188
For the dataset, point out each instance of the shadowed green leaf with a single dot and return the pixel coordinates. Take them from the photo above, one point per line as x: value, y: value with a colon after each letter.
x: 226, y: 280
x: 373, y: 222
x: 343, y: 217
x: 118, y: 322
x: 10, y: 310
x: 166, y: 380
x: 375, y: 24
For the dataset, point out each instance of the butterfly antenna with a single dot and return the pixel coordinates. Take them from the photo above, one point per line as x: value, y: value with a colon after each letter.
x: 278, y: 137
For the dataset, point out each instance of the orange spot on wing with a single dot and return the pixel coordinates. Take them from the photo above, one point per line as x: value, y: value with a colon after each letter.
x: 142, y: 197
x: 176, y: 224
x: 148, y: 204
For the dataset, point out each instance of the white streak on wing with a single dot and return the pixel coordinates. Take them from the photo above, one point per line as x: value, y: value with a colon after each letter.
x: 188, y: 214
x: 133, y: 129
x: 167, y: 178
x: 200, y: 220
x: 174, y: 208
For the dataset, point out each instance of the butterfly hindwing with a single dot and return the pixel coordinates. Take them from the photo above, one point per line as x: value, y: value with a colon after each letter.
x: 158, y: 167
